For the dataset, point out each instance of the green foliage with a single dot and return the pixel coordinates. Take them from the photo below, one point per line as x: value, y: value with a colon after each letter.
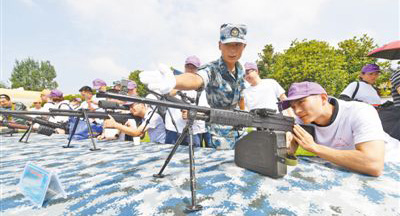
x: 310, y: 61
x: 355, y: 51
x: 72, y: 96
x: 2, y: 85
x: 141, y: 90
x: 33, y: 75
x: 267, y: 59
x: 317, y: 61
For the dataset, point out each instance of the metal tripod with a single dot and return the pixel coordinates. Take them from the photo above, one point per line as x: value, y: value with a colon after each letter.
x: 187, y: 130
x: 72, y: 133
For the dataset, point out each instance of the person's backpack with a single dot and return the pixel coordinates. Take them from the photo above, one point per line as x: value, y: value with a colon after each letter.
x: 347, y: 98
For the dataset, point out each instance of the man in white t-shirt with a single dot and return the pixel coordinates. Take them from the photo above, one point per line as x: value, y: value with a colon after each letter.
x: 192, y: 63
x: 262, y: 93
x: 347, y: 133
x: 91, y: 102
x: 153, y: 124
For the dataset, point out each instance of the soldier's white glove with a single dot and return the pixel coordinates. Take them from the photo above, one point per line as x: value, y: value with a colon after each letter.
x: 161, y: 81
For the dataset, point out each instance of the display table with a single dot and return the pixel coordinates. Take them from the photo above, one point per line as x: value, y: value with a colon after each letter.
x: 118, y: 180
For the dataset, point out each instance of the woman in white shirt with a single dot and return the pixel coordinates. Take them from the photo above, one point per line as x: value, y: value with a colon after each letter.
x: 364, y: 90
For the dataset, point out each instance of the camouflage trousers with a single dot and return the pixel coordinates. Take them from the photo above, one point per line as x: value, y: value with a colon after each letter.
x: 223, y: 136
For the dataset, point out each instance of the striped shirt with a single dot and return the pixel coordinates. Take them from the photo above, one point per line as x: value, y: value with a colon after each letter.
x: 395, y: 79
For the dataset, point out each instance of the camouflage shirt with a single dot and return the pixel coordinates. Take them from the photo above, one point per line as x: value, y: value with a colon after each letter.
x: 224, y: 91
x: 17, y: 106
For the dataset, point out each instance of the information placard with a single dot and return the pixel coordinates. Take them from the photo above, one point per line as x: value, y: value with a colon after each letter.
x: 39, y: 185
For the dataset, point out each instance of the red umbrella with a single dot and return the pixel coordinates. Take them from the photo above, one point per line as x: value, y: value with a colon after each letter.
x: 389, y: 51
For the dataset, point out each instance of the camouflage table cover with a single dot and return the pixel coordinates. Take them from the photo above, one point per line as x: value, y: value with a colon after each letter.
x: 117, y: 180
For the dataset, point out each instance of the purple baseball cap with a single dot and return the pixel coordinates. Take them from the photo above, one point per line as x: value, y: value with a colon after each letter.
x: 97, y: 83
x: 55, y: 93
x: 301, y: 90
x: 369, y: 68
x: 131, y: 85
x: 250, y: 66
x: 193, y: 60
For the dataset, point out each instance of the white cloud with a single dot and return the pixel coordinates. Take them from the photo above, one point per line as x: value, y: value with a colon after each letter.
x: 168, y: 31
x: 105, y: 66
x: 107, y: 39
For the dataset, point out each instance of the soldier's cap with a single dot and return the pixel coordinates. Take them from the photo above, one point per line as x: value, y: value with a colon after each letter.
x: 231, y: 33
x: 301, y: 90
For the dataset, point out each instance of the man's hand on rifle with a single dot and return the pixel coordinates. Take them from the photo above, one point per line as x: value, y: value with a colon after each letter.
x: 109, y: 123
x: 304, y: 139
x: 162, y: 81
x: 291, y: 143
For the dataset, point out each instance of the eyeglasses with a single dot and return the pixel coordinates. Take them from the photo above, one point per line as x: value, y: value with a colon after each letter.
x: 36, y: 102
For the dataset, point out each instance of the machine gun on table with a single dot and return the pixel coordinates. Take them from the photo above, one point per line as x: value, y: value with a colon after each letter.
x: 48, y: 127
x: 262, y: 151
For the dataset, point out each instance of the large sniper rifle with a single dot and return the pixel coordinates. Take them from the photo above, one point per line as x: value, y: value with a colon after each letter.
x: 47, y: 127
x: 263, y: 151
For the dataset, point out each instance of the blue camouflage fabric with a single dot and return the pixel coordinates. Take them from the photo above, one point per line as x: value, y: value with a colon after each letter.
x: 224, y: 91
x: 118, y: 180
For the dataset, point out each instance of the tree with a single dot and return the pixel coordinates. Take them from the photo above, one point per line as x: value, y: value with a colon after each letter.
x: 267, y: 59
x: 355, y: 51
x: 141, y: 90
x: 2, y: 85
x: 333, y: 68
x: 33, y: 75
x: 313, y: 60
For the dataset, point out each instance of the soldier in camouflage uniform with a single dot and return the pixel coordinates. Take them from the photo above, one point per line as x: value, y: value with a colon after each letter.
x: 222, y: 80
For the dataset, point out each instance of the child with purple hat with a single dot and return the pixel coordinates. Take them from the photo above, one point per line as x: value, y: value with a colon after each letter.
x: 132, y: 88
x: 177, y: 116
x: 99, y: 85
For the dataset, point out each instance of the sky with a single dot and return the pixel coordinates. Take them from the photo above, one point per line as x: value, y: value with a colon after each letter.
x: 107, y: 39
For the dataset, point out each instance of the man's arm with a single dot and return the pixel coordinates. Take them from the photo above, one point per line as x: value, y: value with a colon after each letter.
x: 367, y: 158
x: 111, y: 123
x: 188, y: 81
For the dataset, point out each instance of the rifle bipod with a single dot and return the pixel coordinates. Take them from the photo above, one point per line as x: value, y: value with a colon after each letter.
x: 72, y: 133
x: 27, y: 134
x: 187, y: 130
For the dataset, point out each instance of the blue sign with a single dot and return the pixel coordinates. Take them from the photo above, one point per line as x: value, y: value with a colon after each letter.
x: 39, y: 185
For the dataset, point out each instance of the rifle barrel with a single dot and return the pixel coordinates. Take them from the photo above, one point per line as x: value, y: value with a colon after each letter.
x: 74, y: 113
x: 234, y: 118
x: 154, y: 102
